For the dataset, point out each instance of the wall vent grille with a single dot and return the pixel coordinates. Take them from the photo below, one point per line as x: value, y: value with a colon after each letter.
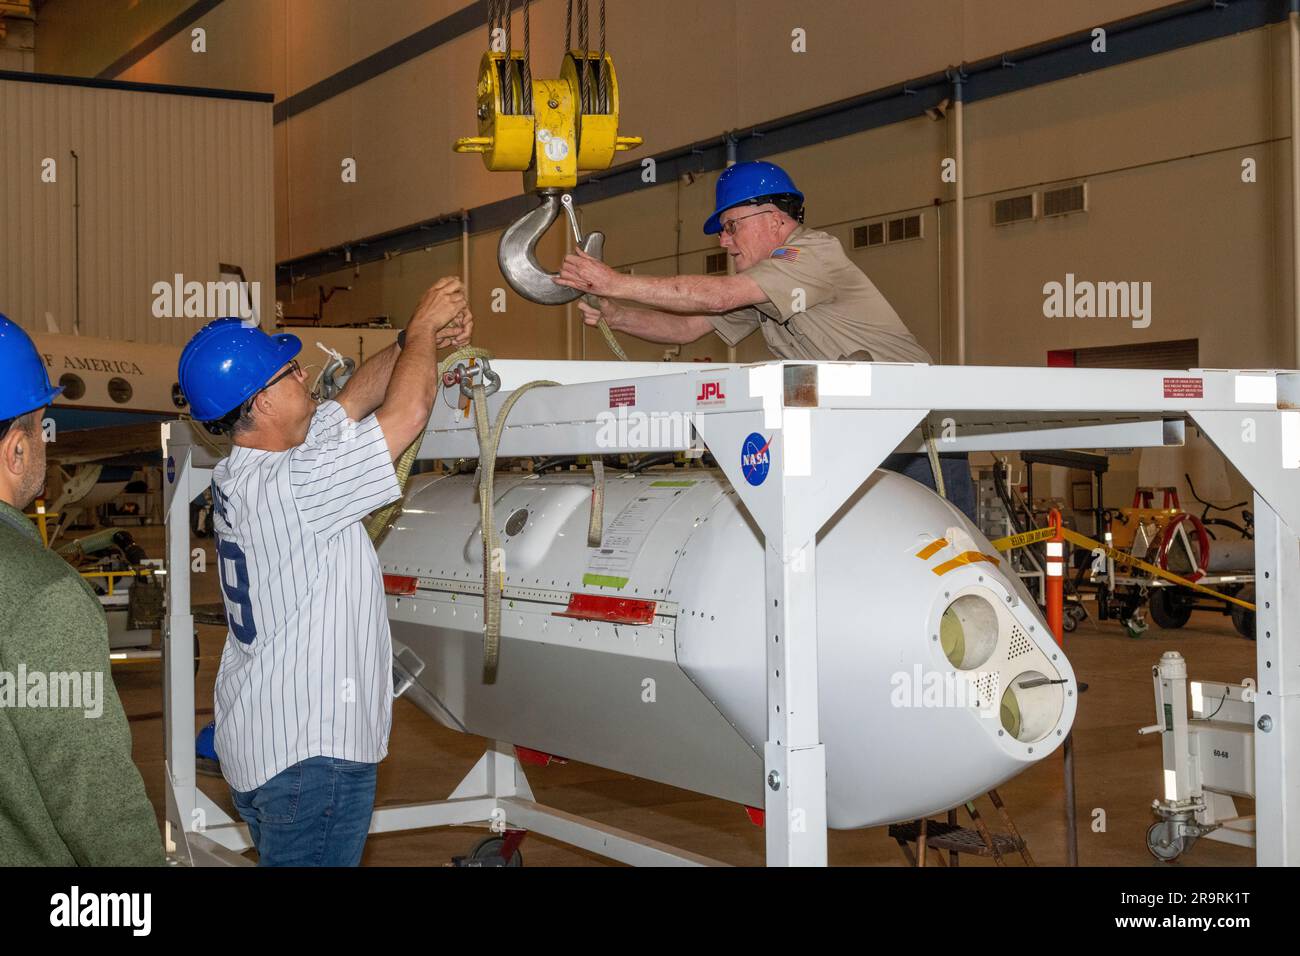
x: 1066, y: 200
x: 1014, y: 209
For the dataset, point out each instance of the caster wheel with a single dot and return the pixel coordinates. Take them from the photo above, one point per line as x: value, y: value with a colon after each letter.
x: 1243, y: 621
x: 1069, y: 622
x: 487, y: 852
x: 1163, y: 844
x: 1168, y: 609
x: 1135, y: 628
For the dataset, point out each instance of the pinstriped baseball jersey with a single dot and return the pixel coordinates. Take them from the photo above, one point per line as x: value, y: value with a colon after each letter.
x: 307, y: 666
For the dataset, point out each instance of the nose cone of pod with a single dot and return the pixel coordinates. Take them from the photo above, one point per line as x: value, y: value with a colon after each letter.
x: 938, y: 679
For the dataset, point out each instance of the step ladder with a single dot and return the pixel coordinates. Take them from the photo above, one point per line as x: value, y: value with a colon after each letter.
x: 1144, y: 496
x: 941, y: 835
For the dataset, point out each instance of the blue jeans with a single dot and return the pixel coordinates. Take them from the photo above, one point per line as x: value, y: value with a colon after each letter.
x: 316, y: 813
x: 957, y: 481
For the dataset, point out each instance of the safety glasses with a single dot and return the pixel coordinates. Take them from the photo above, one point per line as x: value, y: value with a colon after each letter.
x: 731, y: 226
x: 293, y: 369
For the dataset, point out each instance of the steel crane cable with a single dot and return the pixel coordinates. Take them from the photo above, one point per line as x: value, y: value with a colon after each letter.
x: 584, y: 41
x: 510, y: 47
x: 590, y: 104
x: 498, y: 18
x: 603, y: 105
x: 597, y: 102
x: 528, y: 61
x: 492, y: 21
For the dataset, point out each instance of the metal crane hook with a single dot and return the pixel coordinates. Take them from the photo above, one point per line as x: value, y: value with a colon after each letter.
x: 517, y: 254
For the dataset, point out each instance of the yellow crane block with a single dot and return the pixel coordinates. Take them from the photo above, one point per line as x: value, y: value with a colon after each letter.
x: 598, y: 138
x: 555, y: 158
x: 505, y: 132
x: 557, y: 141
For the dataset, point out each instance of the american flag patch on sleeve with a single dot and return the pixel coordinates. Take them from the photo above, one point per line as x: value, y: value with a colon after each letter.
x: 788, y: 253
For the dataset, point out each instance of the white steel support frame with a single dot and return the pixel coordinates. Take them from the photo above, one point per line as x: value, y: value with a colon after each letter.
x: 829, y: 425
x: 198, y: 832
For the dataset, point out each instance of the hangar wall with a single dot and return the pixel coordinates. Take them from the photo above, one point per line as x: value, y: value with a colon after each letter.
x: 1159, y: 142
x: 162, y: 184
x: 399, y: 125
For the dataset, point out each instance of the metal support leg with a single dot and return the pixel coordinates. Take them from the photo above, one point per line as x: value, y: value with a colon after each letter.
x: 790, y: 501
x: 189, y: 811
x: 795, y: 760
x: 1071, y: 813
x: 1277, y: 707
x: 178, y: 656
x: 1262, y: 445
x: 497, y: 774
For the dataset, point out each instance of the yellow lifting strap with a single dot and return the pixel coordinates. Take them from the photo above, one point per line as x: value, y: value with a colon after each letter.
x: 489, y: 439
x: 1119, y: 557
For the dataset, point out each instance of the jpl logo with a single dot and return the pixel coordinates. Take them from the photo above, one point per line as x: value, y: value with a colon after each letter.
x: 711, y: 394
x: 755, y: 459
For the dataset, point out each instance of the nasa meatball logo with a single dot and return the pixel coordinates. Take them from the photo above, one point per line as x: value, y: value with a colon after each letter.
x: 171, y: 469
x: 755, y: 459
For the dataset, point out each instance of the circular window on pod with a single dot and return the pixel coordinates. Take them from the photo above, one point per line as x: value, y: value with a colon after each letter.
x: 1030, y: 706
x: 968, y: 632
x: 73, y: 387
x: 119, y: 390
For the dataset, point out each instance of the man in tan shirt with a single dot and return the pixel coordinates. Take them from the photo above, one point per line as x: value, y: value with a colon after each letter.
x: 793, y: 283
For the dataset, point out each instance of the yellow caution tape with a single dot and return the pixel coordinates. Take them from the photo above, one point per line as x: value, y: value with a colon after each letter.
x: 1119, y: 557
x: 1020, y: 540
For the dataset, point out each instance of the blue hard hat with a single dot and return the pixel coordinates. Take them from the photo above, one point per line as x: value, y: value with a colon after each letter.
x: 227, y: 362
x: 745, y: 182
x: 24, y: 384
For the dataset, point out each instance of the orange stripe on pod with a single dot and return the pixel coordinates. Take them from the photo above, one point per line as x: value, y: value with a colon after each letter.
x: 966, y: 557
x: 937, y: 544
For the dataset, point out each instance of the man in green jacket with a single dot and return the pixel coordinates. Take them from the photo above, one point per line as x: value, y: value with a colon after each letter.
x: 69, y: 793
